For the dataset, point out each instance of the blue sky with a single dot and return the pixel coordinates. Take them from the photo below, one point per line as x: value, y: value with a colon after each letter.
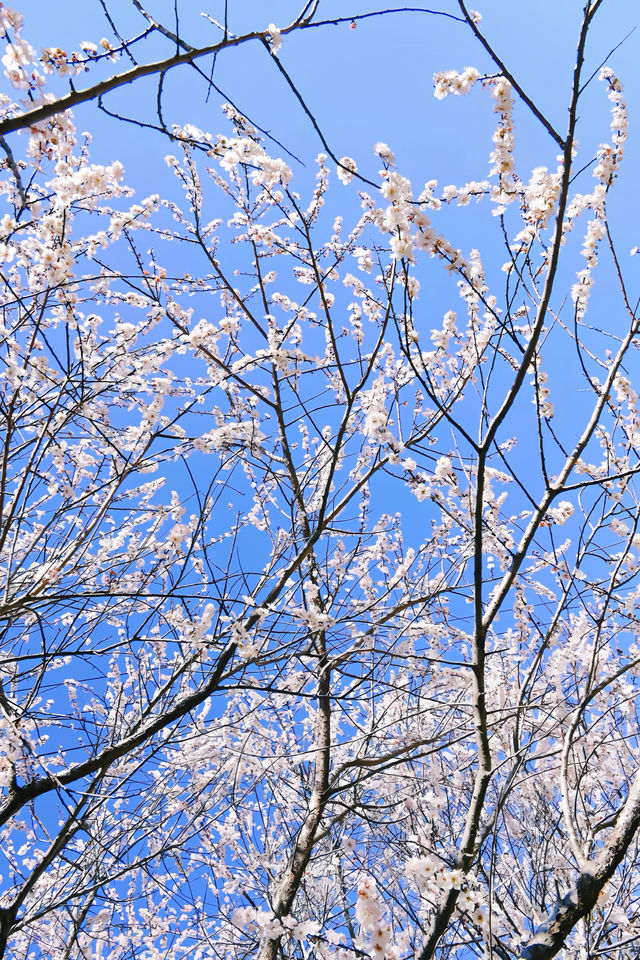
x: 368, y: 84
x: 375, y: 83
x: 372, y: 83
x: 363, y: 85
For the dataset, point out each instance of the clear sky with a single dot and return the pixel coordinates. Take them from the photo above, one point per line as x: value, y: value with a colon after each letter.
x: 368, y: 84
x: 363, y: 85
x: 374, y: 83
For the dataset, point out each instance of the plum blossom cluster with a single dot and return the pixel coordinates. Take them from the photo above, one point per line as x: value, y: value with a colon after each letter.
x: 376, y: 421
x: 269, y: 927
x: 13, y: 744
x: 442, y: 338
x: 560, y: 514
x: 503, y: 138
x: 539, y: 200
x: 542, y: 397
x: 610, y: 155
x: 609, y: 159
x: 18, y: 60
x: 246, y: 535
x: 385, y: 153
x: 452, y: 82
x: 346, y: 170
x: 580, y: 291
x: 275, y: 38
x: 434, y: 879
x: 246, y: 151
x: 74, y: 181
x: 410, y: 226
x: 10, y: 20
x: 376, y: 933
x: 501, y: 157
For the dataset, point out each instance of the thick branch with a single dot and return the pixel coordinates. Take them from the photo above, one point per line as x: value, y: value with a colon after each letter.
x: 550, y: 936
x: 44, y: 111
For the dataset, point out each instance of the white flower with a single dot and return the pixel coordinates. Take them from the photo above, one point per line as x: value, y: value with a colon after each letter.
x: 385, y: 153
x: 561, y: 513
x: 450, y: 81
x: 402, y: 248
x: 346, y: 169
x: 274, y: 37
x: 368, y: 911
x: 422, y: 491
x: 101, y: 921
x: 396, y: 187
x: 444, y: 470
x: 365, y: 260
